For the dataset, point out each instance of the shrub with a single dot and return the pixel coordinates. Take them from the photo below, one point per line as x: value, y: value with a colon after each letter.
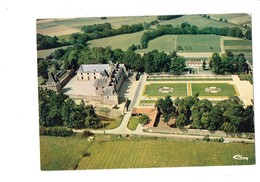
x: 56, y: 131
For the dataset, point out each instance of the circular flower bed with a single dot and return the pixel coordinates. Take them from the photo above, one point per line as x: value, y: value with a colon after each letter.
x: 166, y: 89
x: 213, y: 90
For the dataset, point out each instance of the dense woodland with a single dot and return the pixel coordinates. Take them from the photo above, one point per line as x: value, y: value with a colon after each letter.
x: 78, y: 54
x: 47, y: 42
x: 56, y: 109
x: 228, y: 115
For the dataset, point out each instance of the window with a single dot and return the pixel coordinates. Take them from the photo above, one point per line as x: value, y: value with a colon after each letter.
x: 82, y: 78
x: 96, y: 88
x: 94, y: 77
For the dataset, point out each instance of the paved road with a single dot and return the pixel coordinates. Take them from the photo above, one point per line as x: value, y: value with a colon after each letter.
x: 137, y: 91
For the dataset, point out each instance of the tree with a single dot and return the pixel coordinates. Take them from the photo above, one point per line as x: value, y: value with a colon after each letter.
x: 180, y: 121
x: 166, y: 108
x: 43, y: 69
x: 177, y: 64
x: 144, y: 119
x: 215, y: 118
x: 248, y: 34
x: 200, y: 109
x: 92, y: 122
x: 248, y: 123
x: 216, y: 63
x: 204, y: 64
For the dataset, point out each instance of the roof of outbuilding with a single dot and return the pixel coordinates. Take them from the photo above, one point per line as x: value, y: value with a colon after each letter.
x: 101, y: 82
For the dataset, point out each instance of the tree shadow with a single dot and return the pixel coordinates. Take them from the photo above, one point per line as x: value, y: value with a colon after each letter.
x: 66, y: 89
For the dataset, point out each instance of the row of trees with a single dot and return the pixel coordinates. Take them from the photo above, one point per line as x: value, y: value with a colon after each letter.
x: 228, y: 115
x: 96, y: 27
x: 186, y: 28
x: 168, y: 17
x: 153, y: 61
x: 56, y: 109
x: 98, y: 31
x: 47, y: 42
x: 228, y: 63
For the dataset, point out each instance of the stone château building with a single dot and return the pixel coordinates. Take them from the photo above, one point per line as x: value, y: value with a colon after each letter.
x: 107, y: 80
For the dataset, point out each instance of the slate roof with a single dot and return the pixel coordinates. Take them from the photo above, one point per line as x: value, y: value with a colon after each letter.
x: 101, y: 82
x: 90, y: 68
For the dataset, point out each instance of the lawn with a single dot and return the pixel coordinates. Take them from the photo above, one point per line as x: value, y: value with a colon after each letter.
x: 133, y: 123
x: 62, y: 153
x: 145, y: 153
x: 227, y: 89
x: 152, y: 90
x: 147, y: 102
x: 110, y: 123
x: 188, y: 79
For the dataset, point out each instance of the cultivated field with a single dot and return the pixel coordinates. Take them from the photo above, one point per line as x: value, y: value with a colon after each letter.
x: 237, y: 46
x: 63, y: 26
x: 146, y: 153
x: 200, y: 22
x: 180, y: 89
x: 120, y: 41
x: 198, y: 43
x: 184, y: 43
x: 239, y: 19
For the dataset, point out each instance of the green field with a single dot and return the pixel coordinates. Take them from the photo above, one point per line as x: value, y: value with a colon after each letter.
x: 184, y: 43
x: 46, y: 52
x: 198, y: 43
x: 239, y: 19
x: 146, y: 153
x: 237, y: 43
x: 152, y: 90
x: 235, y: 51
x: 111, y: 151
x: 62, y: 153
x: 120, y: 41
x: 164, y: 43
x: 227, y: 90
x: 200, y: 22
